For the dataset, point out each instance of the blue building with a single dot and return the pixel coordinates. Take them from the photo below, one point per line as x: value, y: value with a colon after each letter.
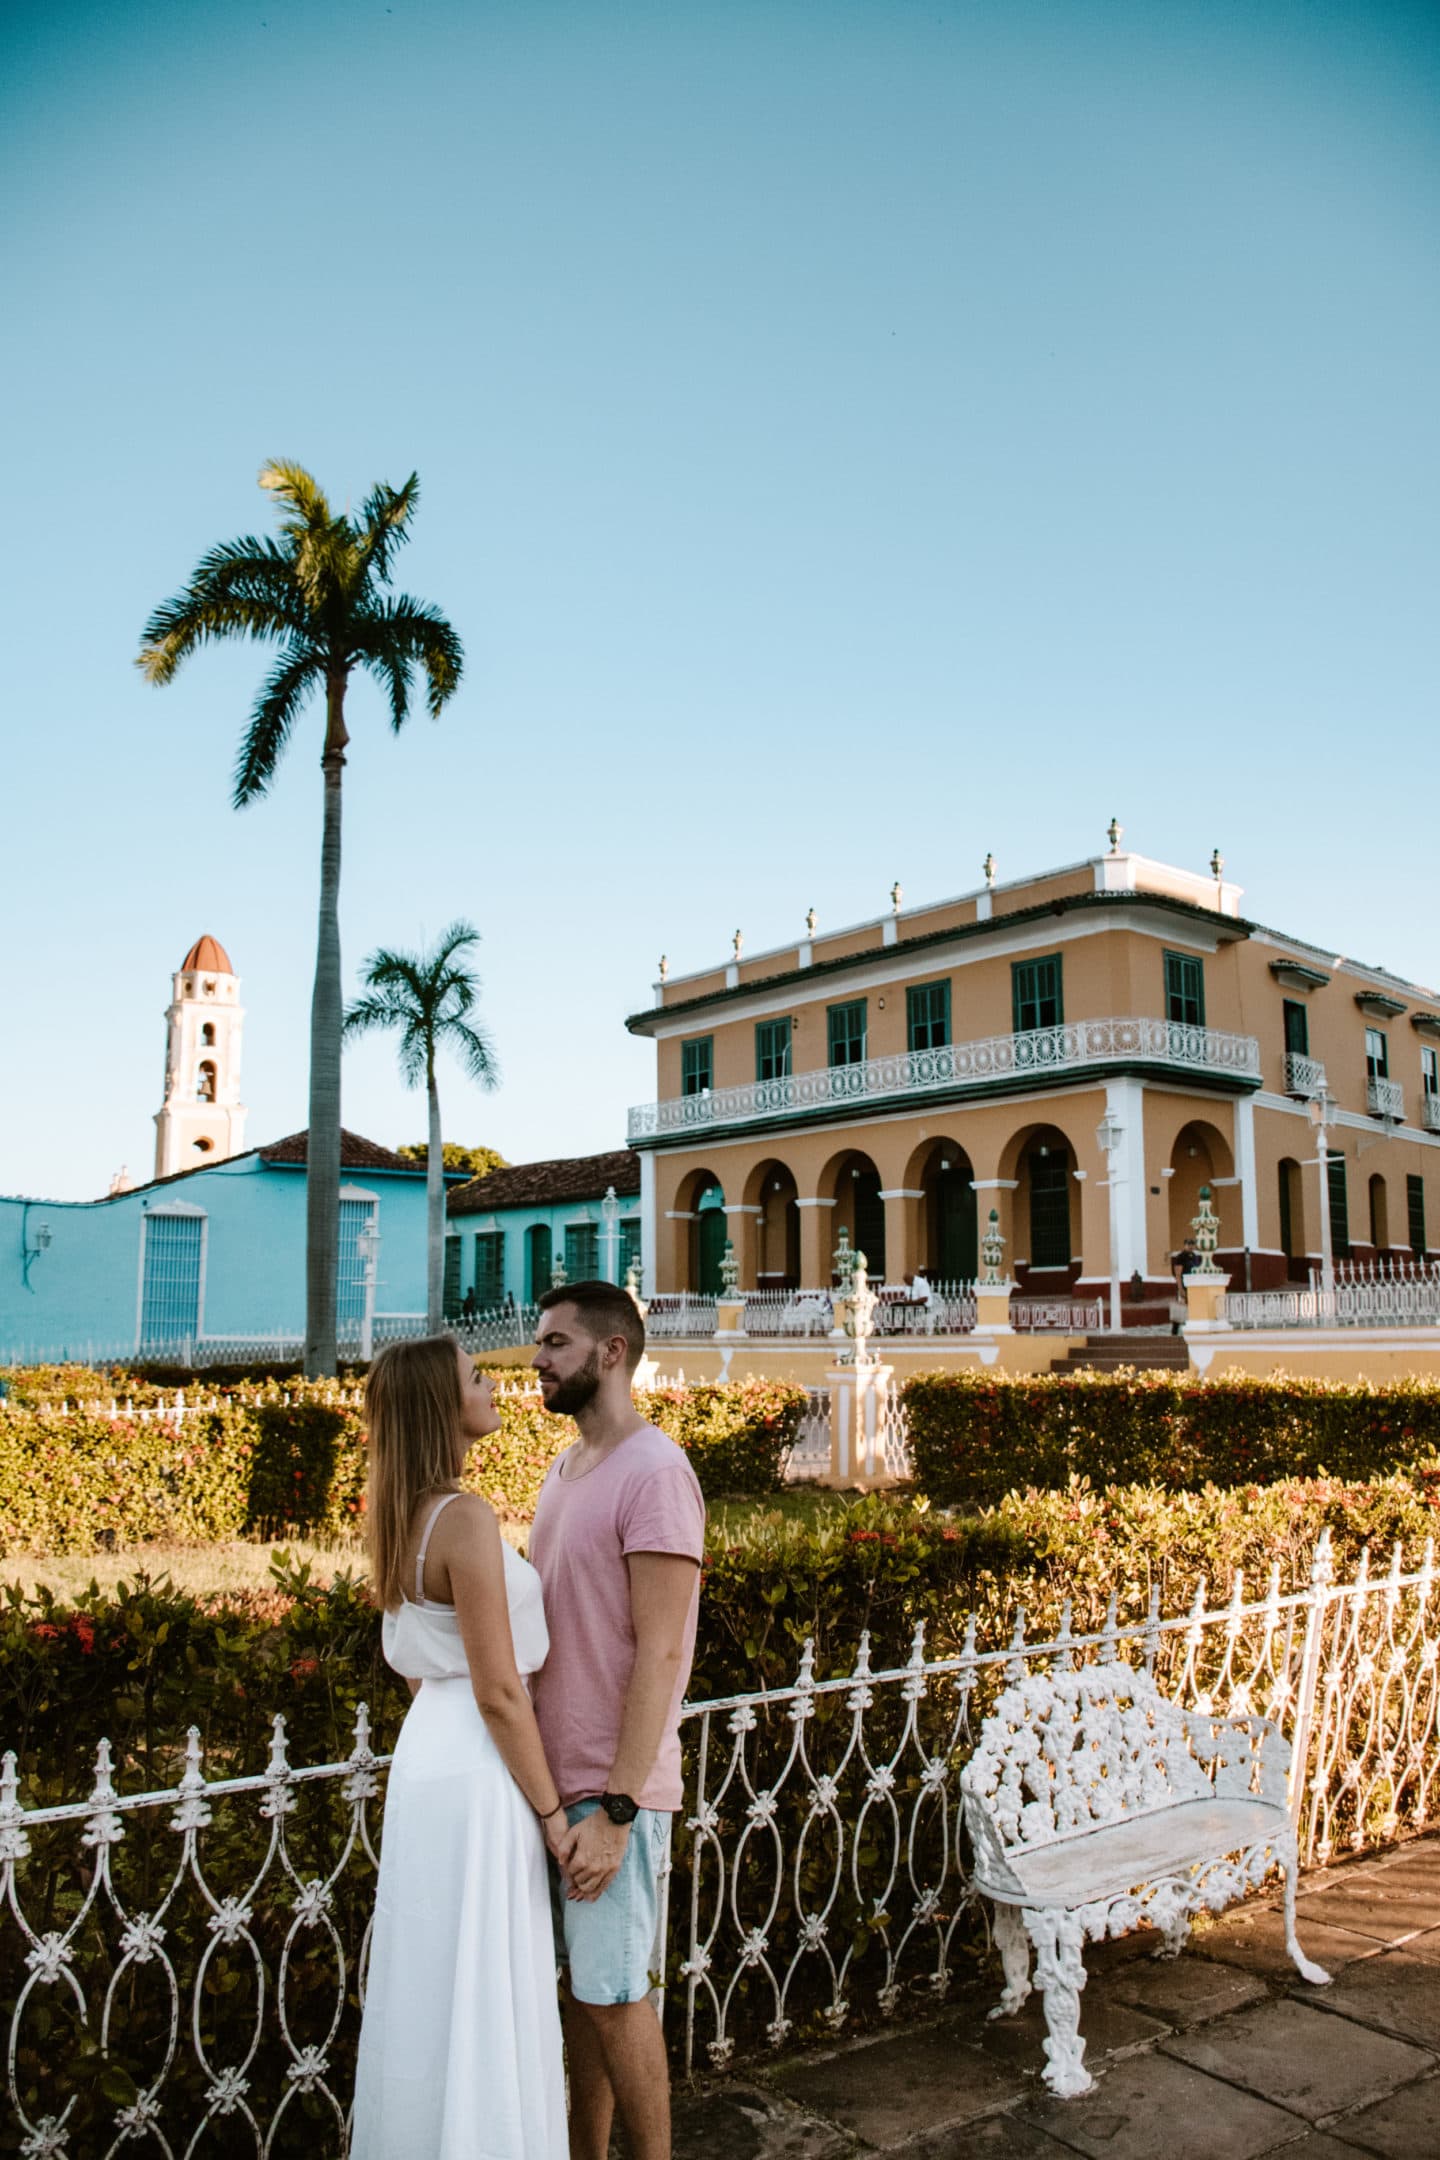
x: 208, y: 1265
x: 507, y: 1230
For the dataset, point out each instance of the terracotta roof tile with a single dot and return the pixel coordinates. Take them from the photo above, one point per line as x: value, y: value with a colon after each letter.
x: 545, y: 1184
x: 356, y: 1153
x: 209, y: 955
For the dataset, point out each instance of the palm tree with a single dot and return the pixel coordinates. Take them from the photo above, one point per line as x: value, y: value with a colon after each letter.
x: 429, y: 997
x: 317, y: 592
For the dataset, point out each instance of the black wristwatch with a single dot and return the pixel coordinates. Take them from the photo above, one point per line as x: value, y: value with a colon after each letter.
x: 619, y: 1806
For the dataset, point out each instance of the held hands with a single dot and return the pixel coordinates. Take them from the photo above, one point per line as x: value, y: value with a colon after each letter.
x: 590, y: 1855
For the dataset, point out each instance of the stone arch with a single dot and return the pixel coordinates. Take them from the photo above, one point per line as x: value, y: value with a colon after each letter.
x: 1045, y: 1204
x: 1201, y: 1154
x: 701, y: 1196
x: 772, y: 1192
x: 942, y: 1172
x: 853, y: 1182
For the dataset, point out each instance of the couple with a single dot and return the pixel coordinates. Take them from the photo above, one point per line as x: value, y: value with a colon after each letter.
x: 545, y: 1717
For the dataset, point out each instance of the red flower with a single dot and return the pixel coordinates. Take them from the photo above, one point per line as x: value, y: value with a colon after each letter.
x: 305, y: 1668
x: 864, y: 1537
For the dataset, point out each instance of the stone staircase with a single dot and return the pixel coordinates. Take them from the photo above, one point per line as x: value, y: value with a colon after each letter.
x: 1134, y: 1346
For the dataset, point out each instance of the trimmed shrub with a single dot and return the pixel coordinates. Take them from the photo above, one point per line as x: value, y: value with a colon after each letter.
x: 974, y: 1438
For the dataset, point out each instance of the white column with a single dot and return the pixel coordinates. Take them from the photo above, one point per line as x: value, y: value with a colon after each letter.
x: 649, y: 1223
x: 1125, y: 1102
x: 1245, y: 1171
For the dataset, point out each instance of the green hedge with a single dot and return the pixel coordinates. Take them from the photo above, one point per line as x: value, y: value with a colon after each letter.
x: 272, y: 1463
x: 975, y: 1438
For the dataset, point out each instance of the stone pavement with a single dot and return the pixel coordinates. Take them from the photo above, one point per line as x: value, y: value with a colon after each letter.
x: 1224, y: 2054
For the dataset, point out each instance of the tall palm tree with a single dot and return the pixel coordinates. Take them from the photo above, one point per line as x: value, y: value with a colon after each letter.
x: 429, y: 998
x: 319, y: 593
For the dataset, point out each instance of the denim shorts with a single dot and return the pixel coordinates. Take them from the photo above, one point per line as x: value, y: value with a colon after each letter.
x: 607, y: 1945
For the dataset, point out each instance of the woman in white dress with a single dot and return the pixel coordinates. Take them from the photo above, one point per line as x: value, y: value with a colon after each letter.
x: 460, y: 2050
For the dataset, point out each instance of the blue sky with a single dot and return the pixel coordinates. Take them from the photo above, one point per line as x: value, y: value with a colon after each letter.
x: 853, y: 437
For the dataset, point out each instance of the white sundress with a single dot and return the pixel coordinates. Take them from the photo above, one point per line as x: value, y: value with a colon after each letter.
x: 460, y: 2051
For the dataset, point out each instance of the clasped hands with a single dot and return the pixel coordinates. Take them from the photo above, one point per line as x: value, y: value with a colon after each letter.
x: 588, y: 1853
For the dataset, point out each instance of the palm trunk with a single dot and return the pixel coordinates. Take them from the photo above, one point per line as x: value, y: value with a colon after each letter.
x: 322, y: 1179
x: 434, y: 1213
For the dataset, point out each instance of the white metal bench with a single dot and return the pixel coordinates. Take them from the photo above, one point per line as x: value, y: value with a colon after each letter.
x: 1092, y: 1803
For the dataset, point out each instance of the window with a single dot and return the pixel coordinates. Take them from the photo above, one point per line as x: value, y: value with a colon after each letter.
x: 207, y: 1035
x: 537, y: 1262
x: 450, y: 1292
x: 1415, y: 1209
x: 1297, y: 1028
x: 582, y: 1251
x: 629, y: 1243
x: 845, y: 1026
x: 1035, y: 996
x: 356, y: 1217
x: 697, y: 1065
x: 1184, y: 989
x: 1377, y: 1055
x: 1049, y: 1208
x: 1339, y: 1207
x: 1287, y: 1219
x: 927, y: 1012
x: 772, y: 1049
x: 1379, y: 1215
x: 489, y: 1269
x: 1429, y: 1071
x: 170, y: 1279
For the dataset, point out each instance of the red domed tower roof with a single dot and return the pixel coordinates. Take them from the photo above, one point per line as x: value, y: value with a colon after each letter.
x: 208, y: 955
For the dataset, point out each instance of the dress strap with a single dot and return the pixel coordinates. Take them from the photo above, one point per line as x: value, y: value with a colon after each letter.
x: 434, y: 1516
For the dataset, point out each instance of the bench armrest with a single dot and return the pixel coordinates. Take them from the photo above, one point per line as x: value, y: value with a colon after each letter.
x: 1244, y: 1757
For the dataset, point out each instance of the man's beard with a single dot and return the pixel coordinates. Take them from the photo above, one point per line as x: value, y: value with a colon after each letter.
x: 570, y: 1397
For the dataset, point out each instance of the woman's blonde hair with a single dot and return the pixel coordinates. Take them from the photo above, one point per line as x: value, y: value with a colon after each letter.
x: 412, y: 1416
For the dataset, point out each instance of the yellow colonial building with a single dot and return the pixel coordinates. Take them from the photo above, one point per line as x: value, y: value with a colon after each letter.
x: 1081, y: 1050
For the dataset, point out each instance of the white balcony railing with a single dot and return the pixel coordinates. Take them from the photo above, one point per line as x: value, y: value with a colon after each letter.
x: 1385, y: 1098
x: 1303, y: 1075
x: 1041, y: 1054
x: 1430, y: 1112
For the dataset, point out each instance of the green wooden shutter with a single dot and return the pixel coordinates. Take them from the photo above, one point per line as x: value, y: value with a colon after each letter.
x: 1035, y: 994
x: 450, y: 1294
x: 1415, y: 1209
x: 1339, y: 1207
x: 1184, y: 989
x: 1297, y: 1028
x: 927, y: 1012
x: 697, y: 1065
x: 489, y: 1269
x: 845, y: 1030
x: 772, y: 1049
x: 582, y: 1251
x: 537, y: 1261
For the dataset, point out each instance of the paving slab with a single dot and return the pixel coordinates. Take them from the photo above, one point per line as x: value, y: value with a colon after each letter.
x: 1185, y: 1990
x: 1108, y: 2026
x: 1149, y: 2107
x: 899, y: 2086
x: 993, y: 2137
x: 738, y: 2122
x: 1404, y: 2127
x: 1384, y: 1903
x: 1254, y: 1939
x: 1316, y: 2064
x: 1425, y: 1946
x: 1395, y: 1992
x: 1316, y: 2145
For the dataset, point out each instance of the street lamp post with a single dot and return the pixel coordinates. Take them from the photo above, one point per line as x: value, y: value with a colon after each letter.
x: 1109, y: 1133
x: 610, y: 1235
x: 368, y: 1246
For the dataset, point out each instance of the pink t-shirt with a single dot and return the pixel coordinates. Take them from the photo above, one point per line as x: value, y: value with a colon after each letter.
x: 643, y: 1497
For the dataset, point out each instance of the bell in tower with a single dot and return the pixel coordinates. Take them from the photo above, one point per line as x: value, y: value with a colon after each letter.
x: 201, y: 1119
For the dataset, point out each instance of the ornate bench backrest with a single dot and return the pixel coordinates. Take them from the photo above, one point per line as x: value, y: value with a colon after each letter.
x: 1068, y: 1751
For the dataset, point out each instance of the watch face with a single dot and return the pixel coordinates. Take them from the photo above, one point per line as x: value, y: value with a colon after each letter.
x: 620, y: 1807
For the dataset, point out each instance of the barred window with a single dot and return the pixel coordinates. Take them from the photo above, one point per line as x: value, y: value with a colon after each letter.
x: 170, y: 1278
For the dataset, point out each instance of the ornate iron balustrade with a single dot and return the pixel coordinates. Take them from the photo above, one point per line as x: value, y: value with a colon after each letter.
x: 1066, y: 1316
x: 1040, y: 1054
x: 680, y: 1313
x: 1430, y: 1112
x: 206, y: 1945
x: 1303, y: 1075
x: 1413, y: 1302
x: 1385, y: 1098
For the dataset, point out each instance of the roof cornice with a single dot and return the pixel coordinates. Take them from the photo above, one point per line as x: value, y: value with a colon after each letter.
x: 1227, y: 928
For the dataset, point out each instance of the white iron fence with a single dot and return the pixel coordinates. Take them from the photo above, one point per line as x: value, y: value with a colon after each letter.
x: 186, y: 1967
x: 1381, y: 1301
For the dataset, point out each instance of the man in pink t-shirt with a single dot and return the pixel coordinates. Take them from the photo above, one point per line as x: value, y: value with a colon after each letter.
x: 618, y: 1537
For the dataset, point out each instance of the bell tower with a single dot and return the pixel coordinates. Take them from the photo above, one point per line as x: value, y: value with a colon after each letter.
x: 201, y: 1118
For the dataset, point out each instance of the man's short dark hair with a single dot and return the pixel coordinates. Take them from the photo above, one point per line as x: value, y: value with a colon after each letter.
x: 605, y: 1310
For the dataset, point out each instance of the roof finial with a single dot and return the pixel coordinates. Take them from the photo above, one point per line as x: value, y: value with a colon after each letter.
x: 1217, y: 866
x: 988, y: 866
x: 1113, y: 832
x: 737, y: 943
x: 896, y: 895
x: 664, y: 968
x: 811, y: 918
